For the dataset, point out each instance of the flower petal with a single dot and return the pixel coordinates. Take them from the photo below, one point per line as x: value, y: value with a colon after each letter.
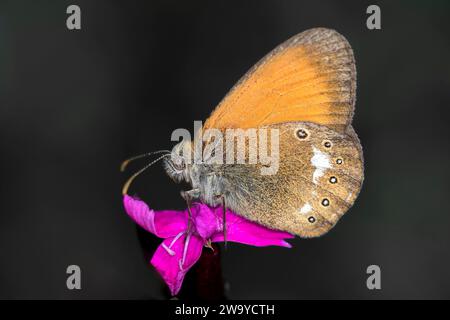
x: 247, y: 232
x: 140, y: 213
x: 206, y: 221
x: 166, y: 223
x: 174, y: 257
x: 170, y: 222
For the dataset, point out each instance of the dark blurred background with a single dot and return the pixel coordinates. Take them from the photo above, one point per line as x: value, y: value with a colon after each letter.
x: 74, y: 104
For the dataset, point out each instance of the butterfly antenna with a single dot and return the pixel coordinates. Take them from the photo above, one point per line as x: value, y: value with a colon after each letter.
x: 130, y: 180
x: 124, y: 164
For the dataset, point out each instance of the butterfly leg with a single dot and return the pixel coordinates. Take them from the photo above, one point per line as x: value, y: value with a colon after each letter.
x: 188, y: 196
x: 224, y: 221
x: 224, y: 217
x: 188, y: 204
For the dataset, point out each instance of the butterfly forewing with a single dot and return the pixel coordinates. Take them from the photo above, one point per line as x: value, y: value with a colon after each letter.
x: 310, y: 77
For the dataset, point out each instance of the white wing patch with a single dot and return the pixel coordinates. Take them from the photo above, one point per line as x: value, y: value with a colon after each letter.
x: 349, y: 196
x: 305, y: 209
x: 320, y: 161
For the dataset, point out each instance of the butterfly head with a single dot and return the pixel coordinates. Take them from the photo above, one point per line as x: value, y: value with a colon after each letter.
x: 178, y: 164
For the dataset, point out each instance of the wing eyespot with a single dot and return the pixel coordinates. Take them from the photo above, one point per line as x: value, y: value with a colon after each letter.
x: 333, y: 180
x: 325, y: 202
x: 311, y: 219
x: 302, y: 134
x: 339, y: 161
x: 327, y: 144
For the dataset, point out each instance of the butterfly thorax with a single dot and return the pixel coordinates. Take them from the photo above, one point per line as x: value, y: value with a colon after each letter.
x: 182, y: 166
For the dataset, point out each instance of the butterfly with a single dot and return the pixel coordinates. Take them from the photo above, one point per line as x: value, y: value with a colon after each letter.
x: 305, y: 89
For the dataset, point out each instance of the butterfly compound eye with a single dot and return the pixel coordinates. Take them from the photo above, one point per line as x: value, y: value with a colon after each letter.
x: 302, y: 134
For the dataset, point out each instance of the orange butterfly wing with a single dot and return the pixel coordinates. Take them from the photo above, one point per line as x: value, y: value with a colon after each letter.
x: 310, y: 77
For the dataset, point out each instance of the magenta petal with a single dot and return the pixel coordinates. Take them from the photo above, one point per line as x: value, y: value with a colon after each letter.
x: 206, y: 221
x: 247, y: 232
x: 169, y: 223
x: 140, y: 213
x: 174, y: 257
x: 163, y: 224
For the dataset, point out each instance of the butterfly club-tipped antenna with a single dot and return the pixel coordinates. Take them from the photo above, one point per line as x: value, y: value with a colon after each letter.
x: 127, y: 184
x: 125, y: 163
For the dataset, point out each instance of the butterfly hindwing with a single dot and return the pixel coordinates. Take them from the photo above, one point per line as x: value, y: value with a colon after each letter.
x: 318, y: 180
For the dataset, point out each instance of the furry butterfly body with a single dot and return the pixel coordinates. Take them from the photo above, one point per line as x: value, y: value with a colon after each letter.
x: 305, y: 88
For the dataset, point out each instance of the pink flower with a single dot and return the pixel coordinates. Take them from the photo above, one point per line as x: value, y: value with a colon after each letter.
x: 183, y: 242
